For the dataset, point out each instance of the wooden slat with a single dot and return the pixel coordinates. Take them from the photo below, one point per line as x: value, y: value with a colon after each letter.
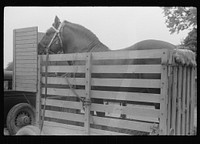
x: 183, y: 100
x: 27, y: 65
x: 107, y: 69
x: 26, y: 53
x: 32, y: 41
x: 65, y: 57
x: 26, y: 33
x: 26, y: 61
x: 55, y: 128
x: 26, y: 73
x: 125, y: 124
x: 106, y: 82
x: 126, y: 69
x: 67, y: 69
x: 21, y: 57
x: 129, y: 54
x: 26, y: 77
x: 32, y: 89
x: 179, y: 100
x: 128, y: 110
x: 26, y: 37
x: 188, y: 101
x: 26, y: 49
x: 63, y: 92
x: 26, y: 29
x: 26, y: 69
x: 174, y: 97
x: 26, y: 81
x: 64, y: 116
x: 104, y: 132
x: 60, y: 80
x: 140, y: 97
x: 149, y: 83
x: 22, y: 46
x: 109, y: 55
x: 26, y: 85
x: 62, y: 103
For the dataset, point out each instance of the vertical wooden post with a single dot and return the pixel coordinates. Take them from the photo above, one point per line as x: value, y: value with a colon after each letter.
x: 14, y: 62
x: 174, y: 97
x: 179, y: 100
x: 183, y: 100
x: 87, y: 92
x: 192, y: 100
x: 164, y: 96
x: 38, y: 94
x: 169, y: 110
x: 188, y: 101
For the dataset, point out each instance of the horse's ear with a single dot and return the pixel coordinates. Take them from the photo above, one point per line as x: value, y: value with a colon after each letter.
x: 56, y: 22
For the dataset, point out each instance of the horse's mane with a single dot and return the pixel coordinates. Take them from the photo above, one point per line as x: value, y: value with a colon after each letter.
x: 79, y: 29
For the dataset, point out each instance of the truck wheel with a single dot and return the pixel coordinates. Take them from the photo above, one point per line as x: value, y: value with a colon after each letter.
x: 29, y: 130
x: 19, y: 116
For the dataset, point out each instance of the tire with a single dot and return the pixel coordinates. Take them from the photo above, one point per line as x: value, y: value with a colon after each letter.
x: 19, y: 116
x: 29, y: 130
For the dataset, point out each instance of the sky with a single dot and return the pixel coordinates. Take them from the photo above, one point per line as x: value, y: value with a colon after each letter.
x: 116, y: 27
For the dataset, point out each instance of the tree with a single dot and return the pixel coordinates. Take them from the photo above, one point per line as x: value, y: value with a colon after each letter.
x: 10, y: 66
x: 191, y: 40
x: 182, y: 18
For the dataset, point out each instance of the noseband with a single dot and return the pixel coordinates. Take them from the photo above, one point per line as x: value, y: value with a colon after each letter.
x: 57, y: 33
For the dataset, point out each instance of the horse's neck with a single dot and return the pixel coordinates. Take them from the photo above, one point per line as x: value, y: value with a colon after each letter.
x: 97, y: 46
x: 84, y: 45
x: 83, y: 40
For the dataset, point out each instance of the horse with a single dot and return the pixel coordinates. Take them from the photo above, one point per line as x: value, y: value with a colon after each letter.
x: 67, y: 37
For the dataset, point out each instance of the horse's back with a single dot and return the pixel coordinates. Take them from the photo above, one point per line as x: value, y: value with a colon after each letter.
x: 151, y: 44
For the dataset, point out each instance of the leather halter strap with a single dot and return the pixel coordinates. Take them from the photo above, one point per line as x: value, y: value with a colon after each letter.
x: 57, y: 33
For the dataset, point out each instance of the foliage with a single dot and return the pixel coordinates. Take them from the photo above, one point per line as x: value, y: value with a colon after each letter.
x: 180, y: 18
x: 9, y: 66
x: 191, y: 40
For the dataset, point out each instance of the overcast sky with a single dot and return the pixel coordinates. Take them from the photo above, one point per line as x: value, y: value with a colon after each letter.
x: 116, y: 27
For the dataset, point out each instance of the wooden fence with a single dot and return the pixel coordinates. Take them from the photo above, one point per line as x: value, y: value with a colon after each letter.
x: 132, y: 92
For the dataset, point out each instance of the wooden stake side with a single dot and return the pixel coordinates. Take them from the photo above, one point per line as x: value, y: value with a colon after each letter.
x: 183, y: 100
x: 87, y: 92
x: 192, y: 101
x: 179, y: 100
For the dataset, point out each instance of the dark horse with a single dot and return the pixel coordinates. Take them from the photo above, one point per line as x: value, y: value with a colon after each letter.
x: 74, y: 38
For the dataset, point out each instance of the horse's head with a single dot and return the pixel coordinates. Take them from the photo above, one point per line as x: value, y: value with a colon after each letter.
x: 52, y: 39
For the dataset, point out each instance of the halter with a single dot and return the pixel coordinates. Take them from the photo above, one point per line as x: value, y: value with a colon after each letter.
x: 57, y: 33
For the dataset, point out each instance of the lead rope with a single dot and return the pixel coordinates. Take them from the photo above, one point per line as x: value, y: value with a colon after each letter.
x: 46, y: 66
